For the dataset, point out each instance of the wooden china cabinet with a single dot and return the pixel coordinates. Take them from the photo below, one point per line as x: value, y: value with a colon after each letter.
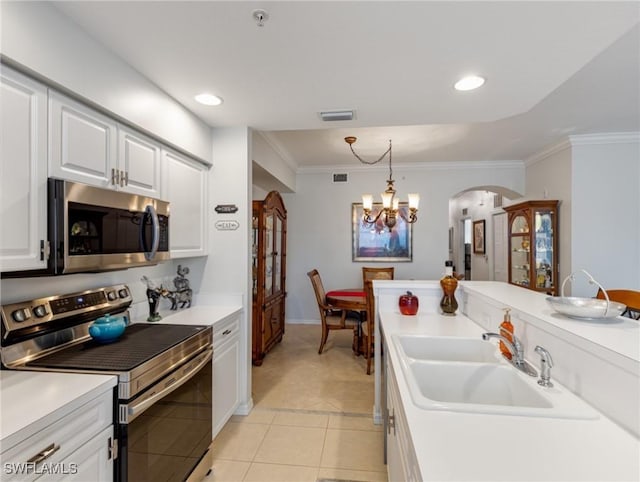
x: 533, y: 245
x: 269, y: 274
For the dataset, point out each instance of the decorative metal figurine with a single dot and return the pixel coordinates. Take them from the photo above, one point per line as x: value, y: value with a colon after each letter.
x: 183, y: 293
x: 153, y: 297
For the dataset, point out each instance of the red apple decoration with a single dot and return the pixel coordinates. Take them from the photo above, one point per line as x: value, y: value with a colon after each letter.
x: 408, y: 304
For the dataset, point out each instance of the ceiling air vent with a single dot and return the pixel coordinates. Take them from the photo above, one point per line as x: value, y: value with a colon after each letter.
x: 341, y: 177
x: 336, y: 115
x: 465, y: 211
x: 497, y: 200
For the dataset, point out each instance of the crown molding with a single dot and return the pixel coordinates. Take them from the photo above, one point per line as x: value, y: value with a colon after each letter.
x: 606, y: 138
x: 421, y: 166
x: 548, y: 151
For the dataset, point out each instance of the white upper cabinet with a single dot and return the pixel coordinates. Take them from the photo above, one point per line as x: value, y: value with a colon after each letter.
x: 87, y: 146
x: 184, y: 184
x: 23, y: 171
x: 139, y: 162
x: 83, y: 143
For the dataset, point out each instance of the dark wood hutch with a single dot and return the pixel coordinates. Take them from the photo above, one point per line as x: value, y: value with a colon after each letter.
x: 269, y: 274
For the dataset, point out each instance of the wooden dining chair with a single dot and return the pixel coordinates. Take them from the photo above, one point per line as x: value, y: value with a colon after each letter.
x: 376, y: 273
x: 368, y: 327
x: 331, y: 318
x: 629, y: 298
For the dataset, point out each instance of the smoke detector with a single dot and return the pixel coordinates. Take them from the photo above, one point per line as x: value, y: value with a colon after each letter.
x: 260, y: 16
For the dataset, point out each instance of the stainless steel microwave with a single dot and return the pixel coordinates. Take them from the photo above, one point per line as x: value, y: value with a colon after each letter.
x: 93, y: 229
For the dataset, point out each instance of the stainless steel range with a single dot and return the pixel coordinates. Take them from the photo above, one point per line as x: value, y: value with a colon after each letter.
x: 163, y: 415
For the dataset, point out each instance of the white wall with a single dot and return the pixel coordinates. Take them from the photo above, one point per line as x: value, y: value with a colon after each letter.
x: 273, y: 164
x: 36, y: 36
x: 227, y: 269
x: 548, y: 176
x: 319, y: 223
x: 606, y: 211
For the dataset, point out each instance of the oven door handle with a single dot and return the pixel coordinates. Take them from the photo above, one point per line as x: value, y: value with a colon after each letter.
x: 128, y: 413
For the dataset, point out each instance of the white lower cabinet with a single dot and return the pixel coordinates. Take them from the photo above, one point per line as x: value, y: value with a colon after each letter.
x: 226, y: 361
x: 91, y: 462
x: 402, y: 464
x: 23, y: 172
x: 184, y: 185
x: 76, y: 447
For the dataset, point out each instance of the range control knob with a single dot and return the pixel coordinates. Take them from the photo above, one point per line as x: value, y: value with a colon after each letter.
x: 40, y: 311
x: 111, y: 295
x: 21, y: 314
x: 123, y: 293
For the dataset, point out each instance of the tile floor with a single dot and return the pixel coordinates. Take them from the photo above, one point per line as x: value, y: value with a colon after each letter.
x: 311, y: 418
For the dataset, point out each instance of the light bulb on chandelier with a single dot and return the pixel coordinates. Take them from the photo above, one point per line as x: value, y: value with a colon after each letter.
x: 390, y: 203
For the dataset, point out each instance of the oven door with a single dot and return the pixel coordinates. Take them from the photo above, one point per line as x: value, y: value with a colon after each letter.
x: 165, y: 433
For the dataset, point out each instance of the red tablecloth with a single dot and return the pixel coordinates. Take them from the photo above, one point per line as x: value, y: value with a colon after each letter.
x: 359, y: 294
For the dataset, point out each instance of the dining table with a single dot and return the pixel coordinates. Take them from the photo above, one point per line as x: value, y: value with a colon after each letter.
x: 350, y: 299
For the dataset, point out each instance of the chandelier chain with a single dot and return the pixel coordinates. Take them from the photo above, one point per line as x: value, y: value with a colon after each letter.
x: 363, y: 161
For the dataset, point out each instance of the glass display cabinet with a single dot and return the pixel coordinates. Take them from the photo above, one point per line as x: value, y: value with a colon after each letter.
x: 269, y: 273
x: 533, y: 245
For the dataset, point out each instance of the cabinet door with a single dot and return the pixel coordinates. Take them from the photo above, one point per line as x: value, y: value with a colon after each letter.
x: 394, y: 459
x: 139, y: 163
x: 93, y: 461
x: 185, y: 187
x: 520, y: 249
x: 226, y: 389
x: 23, y: 175
x: 83, y: 143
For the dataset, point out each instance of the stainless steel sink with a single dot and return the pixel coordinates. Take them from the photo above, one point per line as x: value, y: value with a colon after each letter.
x: 448, y: 348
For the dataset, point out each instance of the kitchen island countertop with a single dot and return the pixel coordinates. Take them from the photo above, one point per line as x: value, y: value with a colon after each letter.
x: 469, y: 446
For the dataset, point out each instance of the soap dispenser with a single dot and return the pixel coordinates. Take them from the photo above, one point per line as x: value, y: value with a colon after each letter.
x: 506, y: 330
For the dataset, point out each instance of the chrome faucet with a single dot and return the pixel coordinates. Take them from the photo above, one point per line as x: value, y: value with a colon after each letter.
x: 546, y: 363
x: 516, y: 350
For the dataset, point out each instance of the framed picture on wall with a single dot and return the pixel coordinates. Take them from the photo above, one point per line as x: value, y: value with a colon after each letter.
x: 374, y: 242
x: 478, y: 237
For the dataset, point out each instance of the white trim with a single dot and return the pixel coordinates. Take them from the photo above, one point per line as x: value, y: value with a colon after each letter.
x: 548, y: 152
x: 417, y: 166
x: 606, y: 138
x: 297, y: 321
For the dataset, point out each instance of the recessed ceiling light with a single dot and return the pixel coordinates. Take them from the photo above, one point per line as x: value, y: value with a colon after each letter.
x: 469, y: 83
x: 208, y: 99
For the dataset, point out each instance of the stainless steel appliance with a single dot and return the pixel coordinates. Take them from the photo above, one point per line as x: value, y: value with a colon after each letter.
x: 92, y: 229
x: 164, y: 392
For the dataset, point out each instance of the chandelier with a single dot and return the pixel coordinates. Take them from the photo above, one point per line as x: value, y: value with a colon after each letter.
x: 390, y: 203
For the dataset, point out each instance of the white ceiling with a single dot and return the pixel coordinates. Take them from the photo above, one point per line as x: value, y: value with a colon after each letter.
x: 552, y: 68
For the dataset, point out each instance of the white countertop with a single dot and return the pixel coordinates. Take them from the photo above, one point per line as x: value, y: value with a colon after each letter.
x: 617, y: 339
x: 199, y: 315
x: 30, y: 401
x: 467, y: 446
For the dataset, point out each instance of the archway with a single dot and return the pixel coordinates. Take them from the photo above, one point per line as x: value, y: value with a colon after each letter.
x: 474, y: 204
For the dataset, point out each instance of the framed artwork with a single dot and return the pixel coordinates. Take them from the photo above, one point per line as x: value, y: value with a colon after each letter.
x: 478, y: 237
x: 374, y: 242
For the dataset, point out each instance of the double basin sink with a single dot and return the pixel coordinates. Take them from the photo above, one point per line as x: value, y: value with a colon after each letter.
x: 469, y: 375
